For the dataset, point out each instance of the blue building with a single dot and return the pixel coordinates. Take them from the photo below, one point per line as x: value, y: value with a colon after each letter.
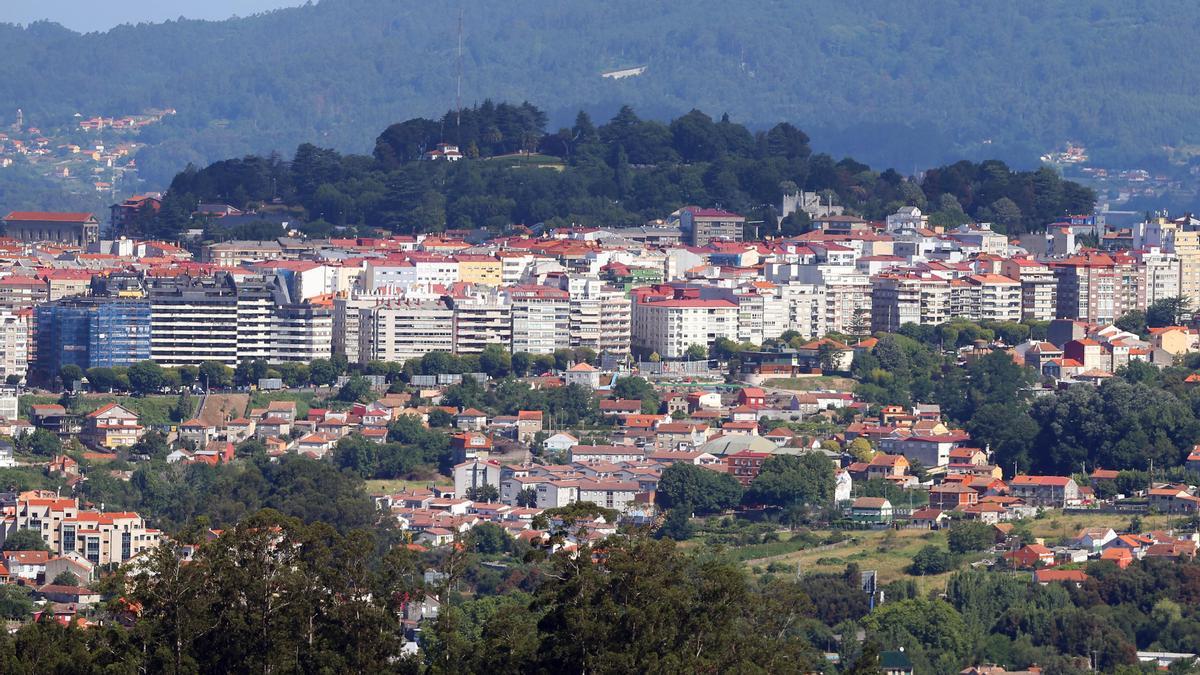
x: 91, y: 332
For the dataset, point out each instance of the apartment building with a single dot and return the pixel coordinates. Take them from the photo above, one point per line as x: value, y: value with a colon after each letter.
x: 669, y: 326
x: 415, y: 269
x: 255, y: 318
x: 907, y: 297
x: 513, y: 265
x: 1159, y: 276
x: 91, y: 332
x: 584, y: 311
x: 402, y: 330
x: 234, y: 253
x: 301, y: 331
x: 1039, y: 289
x: 14, y: 342
x: 616, y: 325
x: 347, y: 311
x: 986, y: 297
x: 19, y: 290
x: 103, y: 538
x: 485, y: 270
x: 702, y: 226
x: 193, y: 319
x: 1087, y: 288
x: 803, y: 309
x: 482, y: 317
x: 541, y: 318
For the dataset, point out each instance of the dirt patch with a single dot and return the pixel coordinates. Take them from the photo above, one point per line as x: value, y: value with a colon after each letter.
x: 218, y: 408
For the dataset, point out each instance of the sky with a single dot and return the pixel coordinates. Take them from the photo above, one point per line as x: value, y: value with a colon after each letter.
x: 92, y: 15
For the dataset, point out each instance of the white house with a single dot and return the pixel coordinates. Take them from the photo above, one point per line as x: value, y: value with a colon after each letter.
x: 475, y: 473
x: 555, y: 494
x: 583, y: 374
x: 560, y: 442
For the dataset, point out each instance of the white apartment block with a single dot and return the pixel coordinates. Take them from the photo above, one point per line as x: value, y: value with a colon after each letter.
x: 803, y: 309
x: 255, y: 319
x: 585, y: 311
x: 402, y: 330
x: 540, y: 319
x: 1158, y: 277
x: 194, y: 320
x: 513, y: 266
x: 415, y: 270
x: 669, y: 327
x: 481, y: 319
x: 986, y: 297
x: 346, y: 323
x: 616, y: 325
x: 14, y: 343
x: 301, y: 332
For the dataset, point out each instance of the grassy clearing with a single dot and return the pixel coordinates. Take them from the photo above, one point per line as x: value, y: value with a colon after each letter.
x: 811, y: 383
x: 304, y: 400
x: 888, y: 552
x: 769, y: 549
x: 1056, y: 526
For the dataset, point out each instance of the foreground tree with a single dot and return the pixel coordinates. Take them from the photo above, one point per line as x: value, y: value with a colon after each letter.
x: 705, y: 491
x: 787, y: 481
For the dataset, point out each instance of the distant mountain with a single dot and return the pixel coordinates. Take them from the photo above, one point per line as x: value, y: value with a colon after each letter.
x: 904, y: 84
x: 88, y: 15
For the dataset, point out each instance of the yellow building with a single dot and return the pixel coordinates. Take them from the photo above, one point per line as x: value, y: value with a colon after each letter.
x: 479, y: 269
x: 1173, y: 340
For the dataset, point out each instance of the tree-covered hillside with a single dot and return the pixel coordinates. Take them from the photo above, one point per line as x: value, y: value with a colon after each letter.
x: 894, y: 83
x: 625, y: 171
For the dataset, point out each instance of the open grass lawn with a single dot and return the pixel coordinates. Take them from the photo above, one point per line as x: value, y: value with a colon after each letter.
x: 304, y: 400
x: 1056, y: 526
x: 888, y: 552
x: 151, y: 410
x: 811, y: 383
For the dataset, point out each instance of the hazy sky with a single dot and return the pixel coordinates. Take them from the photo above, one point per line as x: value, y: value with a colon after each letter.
x: 91, y: 15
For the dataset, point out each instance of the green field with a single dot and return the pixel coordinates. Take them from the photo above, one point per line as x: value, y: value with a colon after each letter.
x: 151, y: 410
x: 304, y: 400
x: 888, y: 552
x: 811, y: 383
x: 1055, y: 527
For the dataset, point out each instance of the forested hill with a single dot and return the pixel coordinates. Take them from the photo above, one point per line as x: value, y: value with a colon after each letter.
x: 892, y: 83
x: 624, y: 171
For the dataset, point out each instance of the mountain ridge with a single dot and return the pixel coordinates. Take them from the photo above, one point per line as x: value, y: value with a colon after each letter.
x: 886, y: 82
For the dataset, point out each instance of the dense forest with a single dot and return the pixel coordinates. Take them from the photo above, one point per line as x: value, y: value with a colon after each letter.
x: 891, y: 83
x: 625, y: 171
